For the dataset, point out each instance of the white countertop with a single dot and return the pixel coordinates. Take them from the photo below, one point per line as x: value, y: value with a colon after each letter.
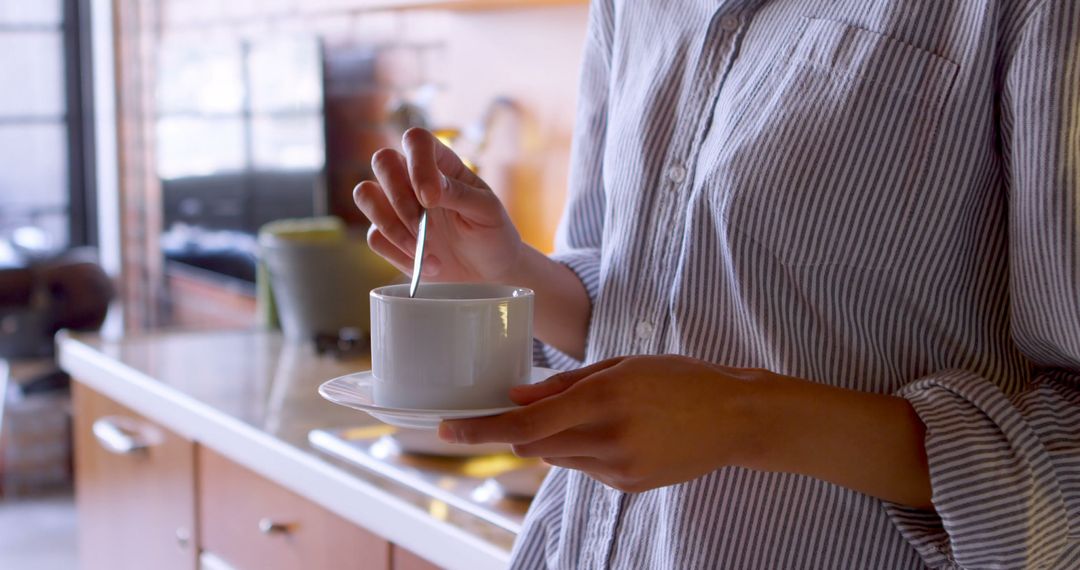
x: 252, y: 397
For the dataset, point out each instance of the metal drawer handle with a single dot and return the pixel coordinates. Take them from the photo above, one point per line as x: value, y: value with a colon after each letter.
x: 123, y: 436
x: 183, y: 537
x: 269, y: 526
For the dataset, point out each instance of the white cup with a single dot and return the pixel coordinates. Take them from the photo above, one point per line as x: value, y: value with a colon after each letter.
x: 455, y: 346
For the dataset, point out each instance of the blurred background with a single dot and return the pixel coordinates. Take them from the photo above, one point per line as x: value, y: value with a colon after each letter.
x: 146, y: 144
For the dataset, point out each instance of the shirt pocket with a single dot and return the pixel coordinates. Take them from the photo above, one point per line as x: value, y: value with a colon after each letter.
x: 830, y: 154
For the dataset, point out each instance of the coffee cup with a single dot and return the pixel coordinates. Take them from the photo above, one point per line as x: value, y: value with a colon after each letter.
x: 455, y: 346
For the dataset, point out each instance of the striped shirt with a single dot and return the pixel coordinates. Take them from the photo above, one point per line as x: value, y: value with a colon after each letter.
x: 875, y: 194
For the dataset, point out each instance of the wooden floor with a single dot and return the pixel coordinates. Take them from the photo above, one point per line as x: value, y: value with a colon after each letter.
x: 38, y: 532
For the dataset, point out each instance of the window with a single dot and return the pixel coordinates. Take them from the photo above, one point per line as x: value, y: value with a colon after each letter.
x: 43, y: 158
x: 227, y: 106
x: 239, y: 131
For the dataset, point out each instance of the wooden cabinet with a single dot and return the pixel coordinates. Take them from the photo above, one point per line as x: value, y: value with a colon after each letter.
x: 200, y: 300
x: 405, y: 560
x: 148, y: 498
x: 251, y: 522
x: 135, y: 489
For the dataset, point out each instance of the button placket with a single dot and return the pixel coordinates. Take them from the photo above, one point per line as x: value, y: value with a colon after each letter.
x: 596, y: 536
x: 644, y: 330
x: 676, y: 173
x: 730, y: 23
x: 679, y: 170
x: 665, y: 224
x: 617, y: 500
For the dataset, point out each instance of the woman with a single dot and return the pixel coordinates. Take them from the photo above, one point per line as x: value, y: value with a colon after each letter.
x: 822, y: 260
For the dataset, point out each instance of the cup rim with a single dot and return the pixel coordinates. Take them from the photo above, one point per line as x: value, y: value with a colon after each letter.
x: 514, y: 292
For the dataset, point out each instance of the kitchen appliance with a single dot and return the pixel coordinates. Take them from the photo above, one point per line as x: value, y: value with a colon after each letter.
x: 468, y: 483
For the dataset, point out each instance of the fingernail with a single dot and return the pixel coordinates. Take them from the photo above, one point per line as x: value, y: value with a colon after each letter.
x: 430, y: 195
x: 446, y: 433
x: 432, y: 267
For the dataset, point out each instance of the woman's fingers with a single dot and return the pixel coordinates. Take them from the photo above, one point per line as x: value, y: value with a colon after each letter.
x: 525, y: 395
x: 372, y: 201
x: 442, y: 180
x: 424, y: 172
x: 392, y: 171
x: 388, y: 251
x: 584, y: 441
x: 523, y: 425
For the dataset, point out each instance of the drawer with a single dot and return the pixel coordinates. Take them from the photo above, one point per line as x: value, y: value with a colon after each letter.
x: 252, y: 523
x: 134, y: 489
x: 406, y: 560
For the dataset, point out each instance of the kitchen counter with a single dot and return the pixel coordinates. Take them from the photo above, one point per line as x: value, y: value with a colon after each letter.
x: 251, y: 397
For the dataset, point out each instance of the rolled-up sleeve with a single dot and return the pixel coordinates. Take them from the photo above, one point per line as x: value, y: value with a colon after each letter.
x: 578, y: 242
x: 1005, y: 468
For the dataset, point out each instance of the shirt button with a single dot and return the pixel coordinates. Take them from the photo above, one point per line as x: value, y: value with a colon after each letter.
x: 676, y: 173
x: 729, y: 23
x: 644, y: 330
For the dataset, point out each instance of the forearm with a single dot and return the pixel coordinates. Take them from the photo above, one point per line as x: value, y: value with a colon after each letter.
x: 562, y: 306
x: 870, y: 443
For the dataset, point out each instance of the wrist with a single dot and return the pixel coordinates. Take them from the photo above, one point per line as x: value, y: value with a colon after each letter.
x: 762, y: 426
x: 786, y: 423
x: 521, y: 270
x: 562, y: 306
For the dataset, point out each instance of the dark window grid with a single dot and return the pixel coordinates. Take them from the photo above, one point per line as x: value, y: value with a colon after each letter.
x: 247, y: 116
x: 11, y: 218
x: 79, y: 89
x: 78, y: 118
x: 21, y: 119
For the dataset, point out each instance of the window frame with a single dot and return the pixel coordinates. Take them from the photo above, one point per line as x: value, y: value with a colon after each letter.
x: 79, y: 94
x: 77, y: 117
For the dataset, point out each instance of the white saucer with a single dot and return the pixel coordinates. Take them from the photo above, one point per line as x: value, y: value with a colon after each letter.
x: 355, y: 391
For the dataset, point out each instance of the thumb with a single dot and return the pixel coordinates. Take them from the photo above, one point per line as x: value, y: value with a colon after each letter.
x: 478, y: 205
x: 557, y: 384
x: 441, y: 180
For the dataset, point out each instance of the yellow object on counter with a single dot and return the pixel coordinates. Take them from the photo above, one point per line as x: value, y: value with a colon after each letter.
x: 308, y: 230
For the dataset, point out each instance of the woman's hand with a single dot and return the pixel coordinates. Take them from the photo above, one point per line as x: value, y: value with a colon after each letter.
x: 642, y: 422
x: 633, y: 423
x: 470, y: 236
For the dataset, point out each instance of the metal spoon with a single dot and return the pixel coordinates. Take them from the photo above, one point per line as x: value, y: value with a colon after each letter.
x: 418, y: 258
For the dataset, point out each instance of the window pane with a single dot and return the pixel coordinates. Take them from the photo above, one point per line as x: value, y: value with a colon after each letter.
x: 38, y: 12
x: 196, y: 75
x: 46, y: 230
x: 33, y: 175
x: 286, y: 76
x: 197, y: 147
x: 288, y: 143
x: 33, y: 63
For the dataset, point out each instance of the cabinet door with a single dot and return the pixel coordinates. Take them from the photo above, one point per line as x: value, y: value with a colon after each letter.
x: 251, y: 522
x: 134, y: 489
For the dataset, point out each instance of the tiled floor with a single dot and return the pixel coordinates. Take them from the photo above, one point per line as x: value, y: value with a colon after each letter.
x: 38, y: 533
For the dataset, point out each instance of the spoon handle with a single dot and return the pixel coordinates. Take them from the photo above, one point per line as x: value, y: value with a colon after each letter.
x: 418, y: 258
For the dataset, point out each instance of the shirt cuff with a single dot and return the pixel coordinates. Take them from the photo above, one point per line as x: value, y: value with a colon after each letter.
x: 585, y: 263
x: 997, y: 499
